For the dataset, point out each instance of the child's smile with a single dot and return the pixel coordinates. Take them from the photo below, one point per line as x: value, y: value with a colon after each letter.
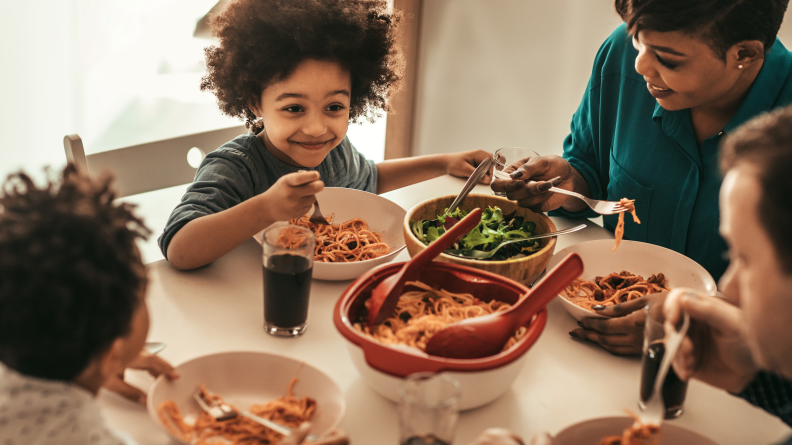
x: 306, y: 115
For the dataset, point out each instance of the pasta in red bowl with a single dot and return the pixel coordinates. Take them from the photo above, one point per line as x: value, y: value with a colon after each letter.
x: 445, y: 293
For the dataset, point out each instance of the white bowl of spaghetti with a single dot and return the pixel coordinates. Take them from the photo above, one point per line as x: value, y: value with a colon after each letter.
x: 362, y: 223
x: 632, y: 270
x: 273, y: 386
x: 593, y: 431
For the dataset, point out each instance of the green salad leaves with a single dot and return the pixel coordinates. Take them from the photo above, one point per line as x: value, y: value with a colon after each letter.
x: 494, y: 228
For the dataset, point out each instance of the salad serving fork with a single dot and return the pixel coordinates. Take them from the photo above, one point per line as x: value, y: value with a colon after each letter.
x: 484, y: 254
x: 223, y: 411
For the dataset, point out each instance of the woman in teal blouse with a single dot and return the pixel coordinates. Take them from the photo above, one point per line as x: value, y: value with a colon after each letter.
x: 666, y: 86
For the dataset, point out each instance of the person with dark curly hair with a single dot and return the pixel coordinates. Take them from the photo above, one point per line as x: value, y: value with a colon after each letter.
x: 73, y: 314
x: 667, y: 86
x: 298, y: 72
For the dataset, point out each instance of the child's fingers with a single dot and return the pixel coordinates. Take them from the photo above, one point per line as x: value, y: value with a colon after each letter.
x: 122, y: 388
x: 301, y: 177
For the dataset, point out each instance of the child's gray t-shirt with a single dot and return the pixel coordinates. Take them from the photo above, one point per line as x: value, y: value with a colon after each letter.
x: 243, y: 168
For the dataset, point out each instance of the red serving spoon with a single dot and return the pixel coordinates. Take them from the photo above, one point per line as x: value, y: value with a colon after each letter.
x: 486, y: 335
x: 386, y: 295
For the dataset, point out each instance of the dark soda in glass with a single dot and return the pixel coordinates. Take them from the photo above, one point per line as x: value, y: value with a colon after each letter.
x: 674, y: 389
x: 287, y: 286
x: 425, y: 439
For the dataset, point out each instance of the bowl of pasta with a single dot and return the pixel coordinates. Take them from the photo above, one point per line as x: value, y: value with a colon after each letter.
x: 623, y: 429
x: 632, y: 270
x: 502, y: 220
x: 291, y: 393
x: 440, y: 293
x: 364, y: 232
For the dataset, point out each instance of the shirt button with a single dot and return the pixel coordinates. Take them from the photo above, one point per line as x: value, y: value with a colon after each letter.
x: 720, y: 134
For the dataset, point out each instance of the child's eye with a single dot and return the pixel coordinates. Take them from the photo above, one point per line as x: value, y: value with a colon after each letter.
x: 293, y: 109
x: 665, y: 63
x: 335, y: 107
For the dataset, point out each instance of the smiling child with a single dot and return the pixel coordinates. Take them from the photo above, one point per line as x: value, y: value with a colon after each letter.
x: 298, y: 72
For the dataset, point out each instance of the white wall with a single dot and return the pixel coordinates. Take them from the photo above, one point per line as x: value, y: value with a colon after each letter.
x: 508, y: 72
x: 492, y: 73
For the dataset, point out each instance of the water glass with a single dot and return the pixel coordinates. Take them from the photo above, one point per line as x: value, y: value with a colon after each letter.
x: 288, y: 263
x: 674, y: 389
x: 428, y: 409
x: 506, y: 156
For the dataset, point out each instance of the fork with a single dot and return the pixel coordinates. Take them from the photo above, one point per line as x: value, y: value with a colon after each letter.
x: 654, y: 408
x: 317, y: 217
x: 481, y: 254
x: 599, y: 206
x: 223, y: 411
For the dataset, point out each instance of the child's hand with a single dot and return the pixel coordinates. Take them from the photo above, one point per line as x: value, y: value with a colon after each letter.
x: 147, y: 362
x: 462, y: 164
x: 294, y: 194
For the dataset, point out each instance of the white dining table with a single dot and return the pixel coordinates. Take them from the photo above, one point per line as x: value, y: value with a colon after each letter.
x: 219, y: 308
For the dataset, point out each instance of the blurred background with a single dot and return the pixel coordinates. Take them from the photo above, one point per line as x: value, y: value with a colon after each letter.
x: 489, y: 74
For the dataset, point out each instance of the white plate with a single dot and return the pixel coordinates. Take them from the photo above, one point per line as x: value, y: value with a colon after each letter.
x: 381, y: 214
x: 636, y: 257
x: 245, y: 378
x: 590, y: 432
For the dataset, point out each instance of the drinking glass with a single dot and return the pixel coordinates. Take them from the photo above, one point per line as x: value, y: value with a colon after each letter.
x: 674, y: 389
x: 288, y: 263
x: 428, y: 409
x: 507, y: 156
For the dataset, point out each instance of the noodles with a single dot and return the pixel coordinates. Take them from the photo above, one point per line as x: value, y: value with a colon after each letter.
x: 613, y: 289
x: 345, y: 242
x: 289, y: 410
x: 635, y: 434
x: 619, y: 232
x: 422, y: 313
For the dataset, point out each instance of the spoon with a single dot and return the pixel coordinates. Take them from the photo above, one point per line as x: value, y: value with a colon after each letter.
x: 386, y: 295
x: 153, y: 347
x: 474, y: 179
x: 486, y: 335
x: 655, y: 406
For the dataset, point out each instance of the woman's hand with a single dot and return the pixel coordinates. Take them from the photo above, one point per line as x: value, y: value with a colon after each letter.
x: 532, y: 180
x: 622, y: 334
x: 293, y: 195
x: 463, y: 164
x: 498, y: 436
x: 147, y: 362
x: 334, y: 437
x: 715, y: 350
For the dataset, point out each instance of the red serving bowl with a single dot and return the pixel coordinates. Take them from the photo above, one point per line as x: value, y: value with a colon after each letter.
x: 384, y: 365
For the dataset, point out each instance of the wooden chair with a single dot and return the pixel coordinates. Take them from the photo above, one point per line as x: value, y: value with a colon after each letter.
x: 151, y: 166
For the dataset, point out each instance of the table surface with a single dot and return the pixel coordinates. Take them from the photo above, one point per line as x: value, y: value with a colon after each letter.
x: 219, y: 308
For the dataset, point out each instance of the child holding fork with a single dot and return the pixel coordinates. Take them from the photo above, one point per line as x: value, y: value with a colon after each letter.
x: 298, y: 72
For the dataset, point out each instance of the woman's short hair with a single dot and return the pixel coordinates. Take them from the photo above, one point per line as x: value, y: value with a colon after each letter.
x: 765, y: 142
x: 263, y: 41
x: 722, y: 23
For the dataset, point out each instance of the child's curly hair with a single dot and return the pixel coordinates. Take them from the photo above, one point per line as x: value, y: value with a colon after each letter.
x: 71, y: 276
x: 263, y: 41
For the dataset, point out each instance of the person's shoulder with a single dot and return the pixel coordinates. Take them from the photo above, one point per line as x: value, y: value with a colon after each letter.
x: 240, y: 145
x: 616, y: 55
x: 779, y: 61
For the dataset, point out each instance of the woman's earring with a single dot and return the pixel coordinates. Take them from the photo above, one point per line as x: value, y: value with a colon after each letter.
x: 740, y: 66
